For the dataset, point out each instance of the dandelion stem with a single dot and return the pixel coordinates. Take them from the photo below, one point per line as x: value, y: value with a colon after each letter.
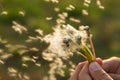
x: 92, y: 46
x: 82, y: 55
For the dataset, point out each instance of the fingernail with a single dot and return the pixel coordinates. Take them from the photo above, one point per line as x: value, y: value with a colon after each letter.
x: 94, y: 66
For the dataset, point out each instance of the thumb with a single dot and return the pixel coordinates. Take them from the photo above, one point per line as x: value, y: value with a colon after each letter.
x: 97, y: 72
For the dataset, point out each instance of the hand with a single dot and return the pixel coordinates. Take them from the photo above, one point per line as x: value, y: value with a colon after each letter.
x: 112, y: 67
x: 98, y: 73
x: 93, y: 71
x: 82, y: 71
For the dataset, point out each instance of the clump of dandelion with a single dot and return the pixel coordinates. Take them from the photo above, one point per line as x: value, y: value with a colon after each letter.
x: 64, y: 42
x: 67, y: 40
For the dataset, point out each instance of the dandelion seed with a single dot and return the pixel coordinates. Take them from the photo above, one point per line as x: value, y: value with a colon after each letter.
x: 1, y: 51
x: 56, y: 9
x: 99, y: 4
x: 55, y: 1
x: 87, y: 1
x: 34, y: 49
x: 26, y: 58
x: 39, y: 31
x: 86, y: 4
x: 60, y: 21
x: 37, y: 64
x: 12, y: 71
x: 74, y: 20
x: 24, y: 65
x: 26, y: 77
x: 20, y: 75
x: 5, y: 56
x: 63, y: 15
x: 22, y: 13
x: 84, y: 12
x: 4, y: 13
x: 33, y: 60
x: 35, y: 57
x: 2, y: 62
x: 70, y: 7
x: 18, y: 28
x: 48, y: 18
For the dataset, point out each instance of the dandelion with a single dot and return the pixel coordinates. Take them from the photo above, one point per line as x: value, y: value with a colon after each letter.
x: 66, y: 40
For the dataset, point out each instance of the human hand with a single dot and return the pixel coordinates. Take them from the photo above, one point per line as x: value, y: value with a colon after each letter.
x: 82, y: 71
x: 95, y: 72
x: 112, y: 67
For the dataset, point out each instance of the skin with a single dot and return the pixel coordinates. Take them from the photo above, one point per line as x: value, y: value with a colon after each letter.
x: 108, y: 69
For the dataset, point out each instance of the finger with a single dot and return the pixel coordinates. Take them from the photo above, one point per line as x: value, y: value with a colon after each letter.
x: 84, y: 74
x: 115, y: 76
x: 99, y: 61
x: 97, y: 72
x: 77, y: 70
x: 111, y: 65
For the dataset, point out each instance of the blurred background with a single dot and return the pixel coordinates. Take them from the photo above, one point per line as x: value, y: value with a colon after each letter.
x: 104, y: 25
